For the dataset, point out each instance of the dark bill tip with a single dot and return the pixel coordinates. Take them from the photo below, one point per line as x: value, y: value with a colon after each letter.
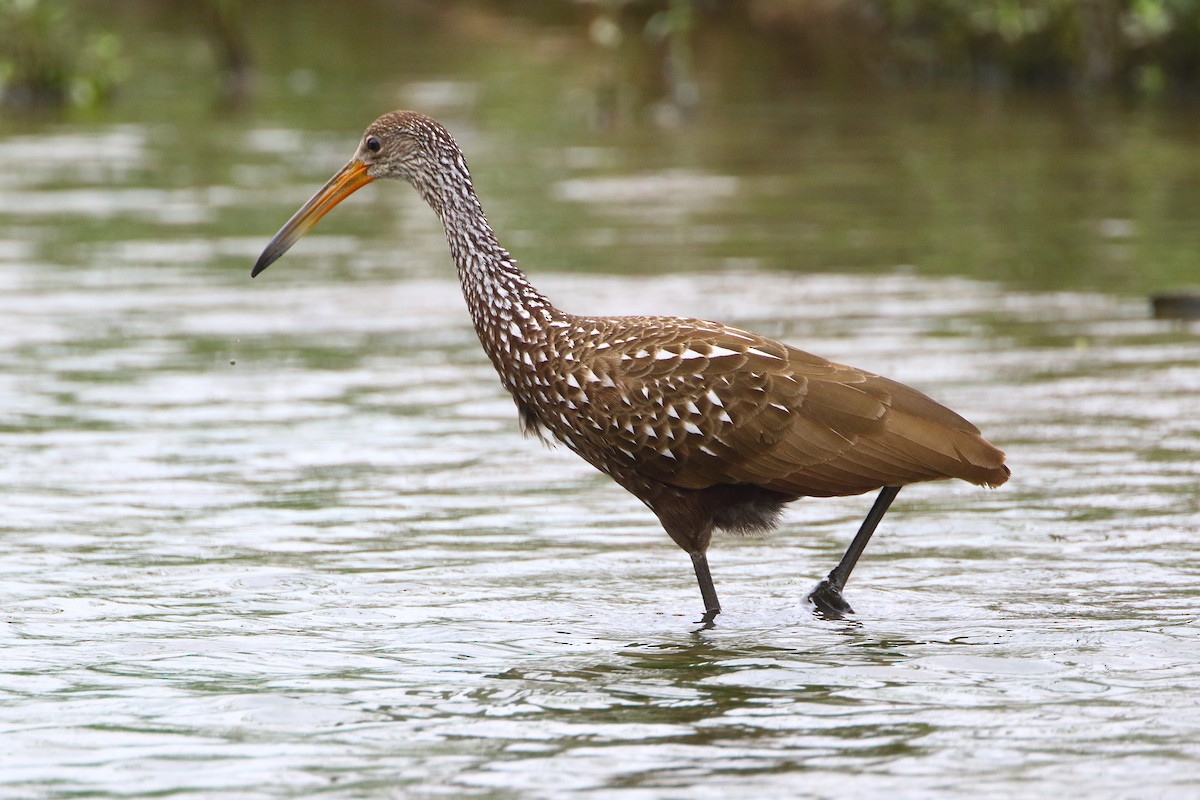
x: 268, y: 257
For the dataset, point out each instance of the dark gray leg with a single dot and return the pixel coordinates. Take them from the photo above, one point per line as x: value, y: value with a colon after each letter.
x: 827, y: 596
x: 712, y: 606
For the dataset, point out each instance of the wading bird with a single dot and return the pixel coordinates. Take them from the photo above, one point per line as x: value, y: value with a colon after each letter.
x: 711, y: 426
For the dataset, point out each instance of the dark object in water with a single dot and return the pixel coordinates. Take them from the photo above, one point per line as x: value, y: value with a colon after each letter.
x: 1181, y: 305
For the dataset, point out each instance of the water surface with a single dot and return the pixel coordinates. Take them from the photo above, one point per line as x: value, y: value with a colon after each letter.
x: 334, y: 565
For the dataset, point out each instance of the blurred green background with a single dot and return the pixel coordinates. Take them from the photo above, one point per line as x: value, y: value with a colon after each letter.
x: 1048, y: 144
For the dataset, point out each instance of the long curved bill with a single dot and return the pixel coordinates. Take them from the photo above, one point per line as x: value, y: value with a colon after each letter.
x: 346, y: 182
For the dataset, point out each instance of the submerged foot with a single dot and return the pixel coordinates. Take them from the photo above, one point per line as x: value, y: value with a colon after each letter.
x: 827, y: 597
x: 707, y: 621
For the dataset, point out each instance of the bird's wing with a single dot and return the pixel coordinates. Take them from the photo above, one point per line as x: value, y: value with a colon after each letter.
x: 695, y: 403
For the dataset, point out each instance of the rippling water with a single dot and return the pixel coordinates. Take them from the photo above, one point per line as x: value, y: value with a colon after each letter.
x: 282, y: 538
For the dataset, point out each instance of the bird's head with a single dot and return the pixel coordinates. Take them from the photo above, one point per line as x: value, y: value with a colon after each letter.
x: 402, y: 144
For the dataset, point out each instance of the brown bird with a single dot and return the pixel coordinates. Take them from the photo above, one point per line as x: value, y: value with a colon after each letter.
x: 711, y: 426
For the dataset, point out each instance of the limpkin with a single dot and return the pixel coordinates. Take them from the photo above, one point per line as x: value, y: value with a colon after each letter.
x: 711, y: 426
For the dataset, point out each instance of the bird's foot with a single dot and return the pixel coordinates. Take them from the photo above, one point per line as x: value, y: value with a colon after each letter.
x: 707, y: 622
x: 827, y: 597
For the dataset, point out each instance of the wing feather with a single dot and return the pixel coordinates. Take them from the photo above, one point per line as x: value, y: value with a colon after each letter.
x: 695, y: 404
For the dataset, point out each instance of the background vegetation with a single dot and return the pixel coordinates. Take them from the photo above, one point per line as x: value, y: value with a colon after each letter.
x: 1139, y: 47
x: 1142, y: 46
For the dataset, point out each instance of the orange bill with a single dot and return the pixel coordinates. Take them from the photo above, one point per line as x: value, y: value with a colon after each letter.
x: 346, y: 182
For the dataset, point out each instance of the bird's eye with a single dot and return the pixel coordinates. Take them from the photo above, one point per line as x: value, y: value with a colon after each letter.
x: 373, y: 144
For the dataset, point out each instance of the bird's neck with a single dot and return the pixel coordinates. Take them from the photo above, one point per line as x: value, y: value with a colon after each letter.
x: 510, y: 315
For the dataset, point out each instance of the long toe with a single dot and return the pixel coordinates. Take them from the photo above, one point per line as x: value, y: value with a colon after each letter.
x: 827, y: 598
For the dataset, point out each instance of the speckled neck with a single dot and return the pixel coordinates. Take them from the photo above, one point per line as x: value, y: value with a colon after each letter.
x: 509, y: 314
